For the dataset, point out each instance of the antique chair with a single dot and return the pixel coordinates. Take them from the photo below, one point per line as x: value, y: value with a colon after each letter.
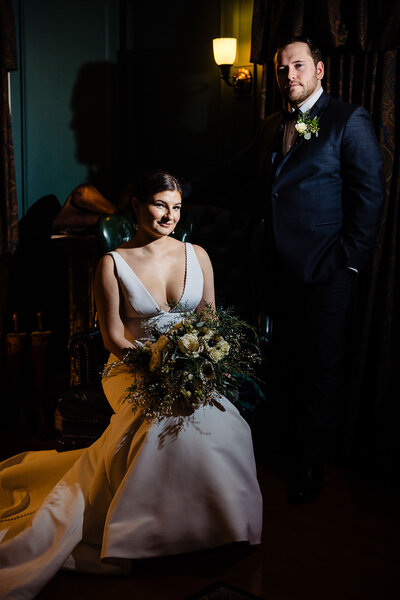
x: 233, y: 242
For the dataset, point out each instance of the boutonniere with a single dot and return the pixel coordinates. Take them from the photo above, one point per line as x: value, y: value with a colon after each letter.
x: 306, y: 126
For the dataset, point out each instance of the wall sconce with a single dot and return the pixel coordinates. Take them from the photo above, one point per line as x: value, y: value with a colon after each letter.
x: 224, y: 56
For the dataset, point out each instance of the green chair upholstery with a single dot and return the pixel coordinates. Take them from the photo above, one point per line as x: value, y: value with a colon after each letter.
x: 114, y: 230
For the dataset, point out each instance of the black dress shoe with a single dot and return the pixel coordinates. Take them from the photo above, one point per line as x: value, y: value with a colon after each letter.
x: 305, y: 485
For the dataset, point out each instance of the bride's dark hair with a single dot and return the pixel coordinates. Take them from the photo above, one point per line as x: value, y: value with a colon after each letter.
x: 153, y: 182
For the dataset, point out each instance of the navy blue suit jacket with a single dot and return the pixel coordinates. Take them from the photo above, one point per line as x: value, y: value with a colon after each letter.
x: 324, y: 197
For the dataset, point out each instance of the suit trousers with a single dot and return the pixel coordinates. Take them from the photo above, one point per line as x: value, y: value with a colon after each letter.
x: 308, y: 362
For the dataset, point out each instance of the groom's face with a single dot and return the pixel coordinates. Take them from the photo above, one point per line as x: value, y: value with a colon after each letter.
x: 297, y: 75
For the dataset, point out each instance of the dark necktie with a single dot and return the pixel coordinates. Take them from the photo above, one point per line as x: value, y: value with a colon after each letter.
x: 290, y: 115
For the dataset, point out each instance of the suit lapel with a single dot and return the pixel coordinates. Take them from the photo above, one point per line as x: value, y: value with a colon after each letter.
x: 316, y: 109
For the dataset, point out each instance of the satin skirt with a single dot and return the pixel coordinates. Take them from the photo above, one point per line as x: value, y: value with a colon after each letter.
x: 141, y: 490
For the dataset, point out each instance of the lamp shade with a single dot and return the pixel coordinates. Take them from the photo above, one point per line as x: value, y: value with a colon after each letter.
x: 224, y: 50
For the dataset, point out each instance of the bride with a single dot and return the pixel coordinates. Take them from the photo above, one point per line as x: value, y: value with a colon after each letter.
x: 137, y: 492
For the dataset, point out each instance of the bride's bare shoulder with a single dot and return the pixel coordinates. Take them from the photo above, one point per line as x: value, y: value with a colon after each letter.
x: 201, y: 254
x: 105, y: 275
x: 105, y: 265
x: 105, y: 260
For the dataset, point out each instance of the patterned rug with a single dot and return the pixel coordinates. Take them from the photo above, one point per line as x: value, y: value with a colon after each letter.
x: 222, y: 591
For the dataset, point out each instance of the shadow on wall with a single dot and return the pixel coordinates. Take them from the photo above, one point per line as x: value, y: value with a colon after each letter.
x: 96, y: 124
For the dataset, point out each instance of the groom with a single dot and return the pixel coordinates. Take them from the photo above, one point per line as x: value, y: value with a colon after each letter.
x: 324, y: 176
x: 321, y: 189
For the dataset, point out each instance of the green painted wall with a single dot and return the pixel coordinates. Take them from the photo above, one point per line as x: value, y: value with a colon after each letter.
x: 57, y: 38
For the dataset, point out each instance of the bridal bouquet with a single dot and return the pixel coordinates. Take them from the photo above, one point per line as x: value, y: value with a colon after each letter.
x: 189, y: 364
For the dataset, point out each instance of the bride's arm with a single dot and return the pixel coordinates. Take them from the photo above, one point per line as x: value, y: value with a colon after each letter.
x: 107, y: 295
x: 208, y: 273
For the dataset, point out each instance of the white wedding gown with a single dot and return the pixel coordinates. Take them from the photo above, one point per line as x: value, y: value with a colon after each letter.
x: 139, y: 491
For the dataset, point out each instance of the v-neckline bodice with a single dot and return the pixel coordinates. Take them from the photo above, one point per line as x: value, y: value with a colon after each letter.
x: 144, y: 288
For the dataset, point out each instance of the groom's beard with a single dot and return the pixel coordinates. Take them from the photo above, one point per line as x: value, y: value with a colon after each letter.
x: 300, y: 92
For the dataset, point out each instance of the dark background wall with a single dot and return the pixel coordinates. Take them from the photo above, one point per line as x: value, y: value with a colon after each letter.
x: 106, y: 88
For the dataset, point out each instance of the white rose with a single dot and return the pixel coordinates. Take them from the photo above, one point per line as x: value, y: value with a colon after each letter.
x: 189, y: 344
x: 301, y: 127
x: 215, y: 354
x: 219, y: 351
x: 223, y: 347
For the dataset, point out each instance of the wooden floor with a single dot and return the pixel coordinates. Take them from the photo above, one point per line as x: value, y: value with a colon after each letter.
x: 344, y: 546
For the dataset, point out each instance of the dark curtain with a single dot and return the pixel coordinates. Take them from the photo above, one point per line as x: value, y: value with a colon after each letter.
x: 360, y: 41
x: 8, y: 197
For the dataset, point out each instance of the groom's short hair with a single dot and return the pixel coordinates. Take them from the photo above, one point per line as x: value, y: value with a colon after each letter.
x: 315, y: 52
